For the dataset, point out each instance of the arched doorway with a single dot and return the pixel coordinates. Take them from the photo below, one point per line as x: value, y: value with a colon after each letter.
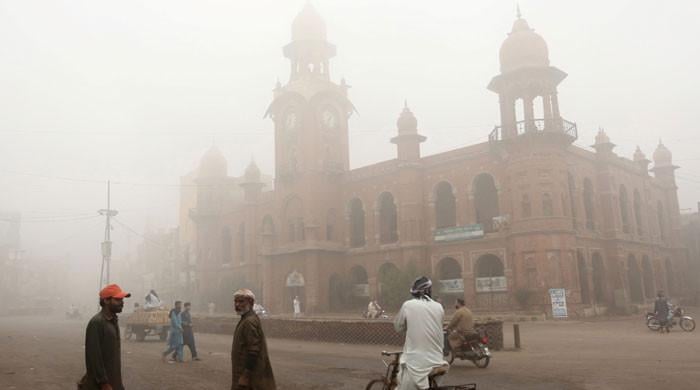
x: 583, y: 278
x: 491, y: 284
x: 598, y: 278
x: 485, y: 201
x: 359, y: 286
x: 295, y: 287
x: 451, y: 284
x: 634, y: 279
x: 648, y: 275
x: 357, y: 223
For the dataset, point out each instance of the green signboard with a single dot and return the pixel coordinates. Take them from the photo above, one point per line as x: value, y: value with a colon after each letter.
x: 457, y: 233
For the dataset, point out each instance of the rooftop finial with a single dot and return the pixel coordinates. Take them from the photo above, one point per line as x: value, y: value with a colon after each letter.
x: 518, y: 13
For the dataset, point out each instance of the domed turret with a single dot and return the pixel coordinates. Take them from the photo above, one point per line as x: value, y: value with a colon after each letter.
x: 213, y: 164
x: 639, y: 155
x: 308, y: 25
x: 252, y: 173
x: 523, y: 48
x: 407, y: 122
x: 601, y: 138
x: 662, y: 156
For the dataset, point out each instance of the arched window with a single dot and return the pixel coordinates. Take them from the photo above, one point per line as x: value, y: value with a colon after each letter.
x: 588, y: 203
x: 268, y: 226
x: 525, y: 206
x: 360, y: 283
x: 387, y: 219
x: 638, y: 212
x: 330, y: 225
x: 660, y: 216
x: 451, y: 284
x: 572, y: 198
x: 624, y: 210
x: 485, y: 201
x: 241, y: 243
x: 445, y: 206
x: 634, y: 278
x: 357, y: 223
x: 547, y: 206
x: 648, y: 275
x: 226, y: 245
x: 598, y: 278
x: 294, y: 216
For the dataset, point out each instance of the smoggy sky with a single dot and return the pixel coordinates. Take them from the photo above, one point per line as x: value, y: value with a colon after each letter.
x: 137, y: 91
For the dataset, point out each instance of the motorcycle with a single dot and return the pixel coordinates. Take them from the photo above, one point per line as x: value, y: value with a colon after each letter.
x: 687, y: 323
x: 381, y: 315
x: 474, y: 348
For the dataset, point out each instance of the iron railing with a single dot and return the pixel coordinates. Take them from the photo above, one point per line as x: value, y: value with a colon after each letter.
x: 538, y: 126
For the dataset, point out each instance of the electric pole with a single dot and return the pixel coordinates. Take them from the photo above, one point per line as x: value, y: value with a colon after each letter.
x: 107, y: 243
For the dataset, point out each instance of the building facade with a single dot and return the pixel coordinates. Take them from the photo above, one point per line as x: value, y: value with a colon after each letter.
x: 497, y: 223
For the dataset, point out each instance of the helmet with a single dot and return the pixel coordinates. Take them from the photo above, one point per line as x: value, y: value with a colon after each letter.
x: 421, y: 286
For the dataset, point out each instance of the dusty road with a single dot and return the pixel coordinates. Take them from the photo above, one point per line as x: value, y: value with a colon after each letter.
x: 47, y: 353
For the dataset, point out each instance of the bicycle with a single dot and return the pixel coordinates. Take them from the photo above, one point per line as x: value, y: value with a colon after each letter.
x: 388, y: 381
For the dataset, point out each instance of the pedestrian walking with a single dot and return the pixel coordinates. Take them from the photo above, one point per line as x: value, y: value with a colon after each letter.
x: 187, y: 332
x: 250, y: 364
x: 175, y: 340
x: 103, y: 362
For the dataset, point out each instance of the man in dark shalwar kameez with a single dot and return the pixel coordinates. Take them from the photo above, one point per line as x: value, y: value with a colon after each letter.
x: 250, y: 364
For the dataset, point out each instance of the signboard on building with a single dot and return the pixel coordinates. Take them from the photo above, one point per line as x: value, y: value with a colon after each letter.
x: 360, y: 290
x: 451, y: 286
x: 558, y: 296
x: 494, y: 284
x: 295, y: 279
x: 457, y: 233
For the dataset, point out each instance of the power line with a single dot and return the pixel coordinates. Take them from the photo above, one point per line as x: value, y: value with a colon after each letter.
x: 133, y: 231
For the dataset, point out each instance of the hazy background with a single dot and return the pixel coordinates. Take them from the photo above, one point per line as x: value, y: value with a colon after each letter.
x: 136, y: 91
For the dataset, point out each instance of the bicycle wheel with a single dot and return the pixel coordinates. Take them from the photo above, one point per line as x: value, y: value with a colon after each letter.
x: 377, y: 384
x: 653, y: 324
x: 483, y: 362
x: 687, y: 324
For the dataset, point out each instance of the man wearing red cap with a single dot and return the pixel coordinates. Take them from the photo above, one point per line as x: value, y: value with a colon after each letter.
x: 102, y: 343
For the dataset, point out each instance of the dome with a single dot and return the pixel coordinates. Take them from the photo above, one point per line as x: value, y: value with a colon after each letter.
x: 407, y: 122
x: 662, y: 156
x: 252, y: 173
x: 602, y: 138
x: 523, y: 48
x: 639, y: 155
x: 308, y: 25
x: 213, y: 164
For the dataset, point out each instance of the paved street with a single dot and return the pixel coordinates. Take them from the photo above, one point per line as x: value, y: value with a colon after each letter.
x: 47, y: 353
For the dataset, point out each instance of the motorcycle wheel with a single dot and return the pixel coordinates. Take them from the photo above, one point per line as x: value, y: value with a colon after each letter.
x: 687, y: 324
x: 483, y: 362
x: 450, y: 356
x: 377, y: 384
x: 653, y: 324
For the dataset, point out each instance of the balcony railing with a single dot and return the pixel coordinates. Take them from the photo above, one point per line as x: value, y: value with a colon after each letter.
x: 538, y: 126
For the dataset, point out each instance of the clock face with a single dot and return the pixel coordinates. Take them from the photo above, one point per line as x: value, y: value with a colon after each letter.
x: 330, y: 119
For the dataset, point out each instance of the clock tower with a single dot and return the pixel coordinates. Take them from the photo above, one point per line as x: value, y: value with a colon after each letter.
x: 310, y: 112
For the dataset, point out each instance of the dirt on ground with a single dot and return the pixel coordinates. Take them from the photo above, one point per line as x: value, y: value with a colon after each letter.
x: 48, y: 353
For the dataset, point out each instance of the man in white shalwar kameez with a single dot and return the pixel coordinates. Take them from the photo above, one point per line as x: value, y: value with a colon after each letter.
x: 421, y: 318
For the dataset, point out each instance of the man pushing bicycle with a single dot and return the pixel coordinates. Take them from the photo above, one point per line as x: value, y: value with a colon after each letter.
x: 421, y: 318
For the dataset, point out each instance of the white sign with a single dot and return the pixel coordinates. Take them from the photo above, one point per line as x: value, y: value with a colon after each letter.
x: 495, y: 284
x: 449, y: 286
x: 295, y: 279
x: 558, y: 296
x: 360, y: 290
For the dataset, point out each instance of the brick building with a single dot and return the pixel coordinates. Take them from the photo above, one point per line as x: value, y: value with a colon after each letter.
x: 498, y: 223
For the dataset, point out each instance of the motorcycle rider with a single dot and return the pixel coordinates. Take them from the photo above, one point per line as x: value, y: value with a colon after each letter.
x: 661, y: 311
x: 421, y: 318
x: 461, y: 327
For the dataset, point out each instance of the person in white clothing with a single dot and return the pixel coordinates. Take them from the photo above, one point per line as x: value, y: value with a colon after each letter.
x: 297, y: 306
x: 421, y: 318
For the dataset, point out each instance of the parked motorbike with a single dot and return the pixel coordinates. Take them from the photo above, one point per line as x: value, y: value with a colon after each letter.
x: 686, y: 322
x: 473, y: 348
x: 382, y: 315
